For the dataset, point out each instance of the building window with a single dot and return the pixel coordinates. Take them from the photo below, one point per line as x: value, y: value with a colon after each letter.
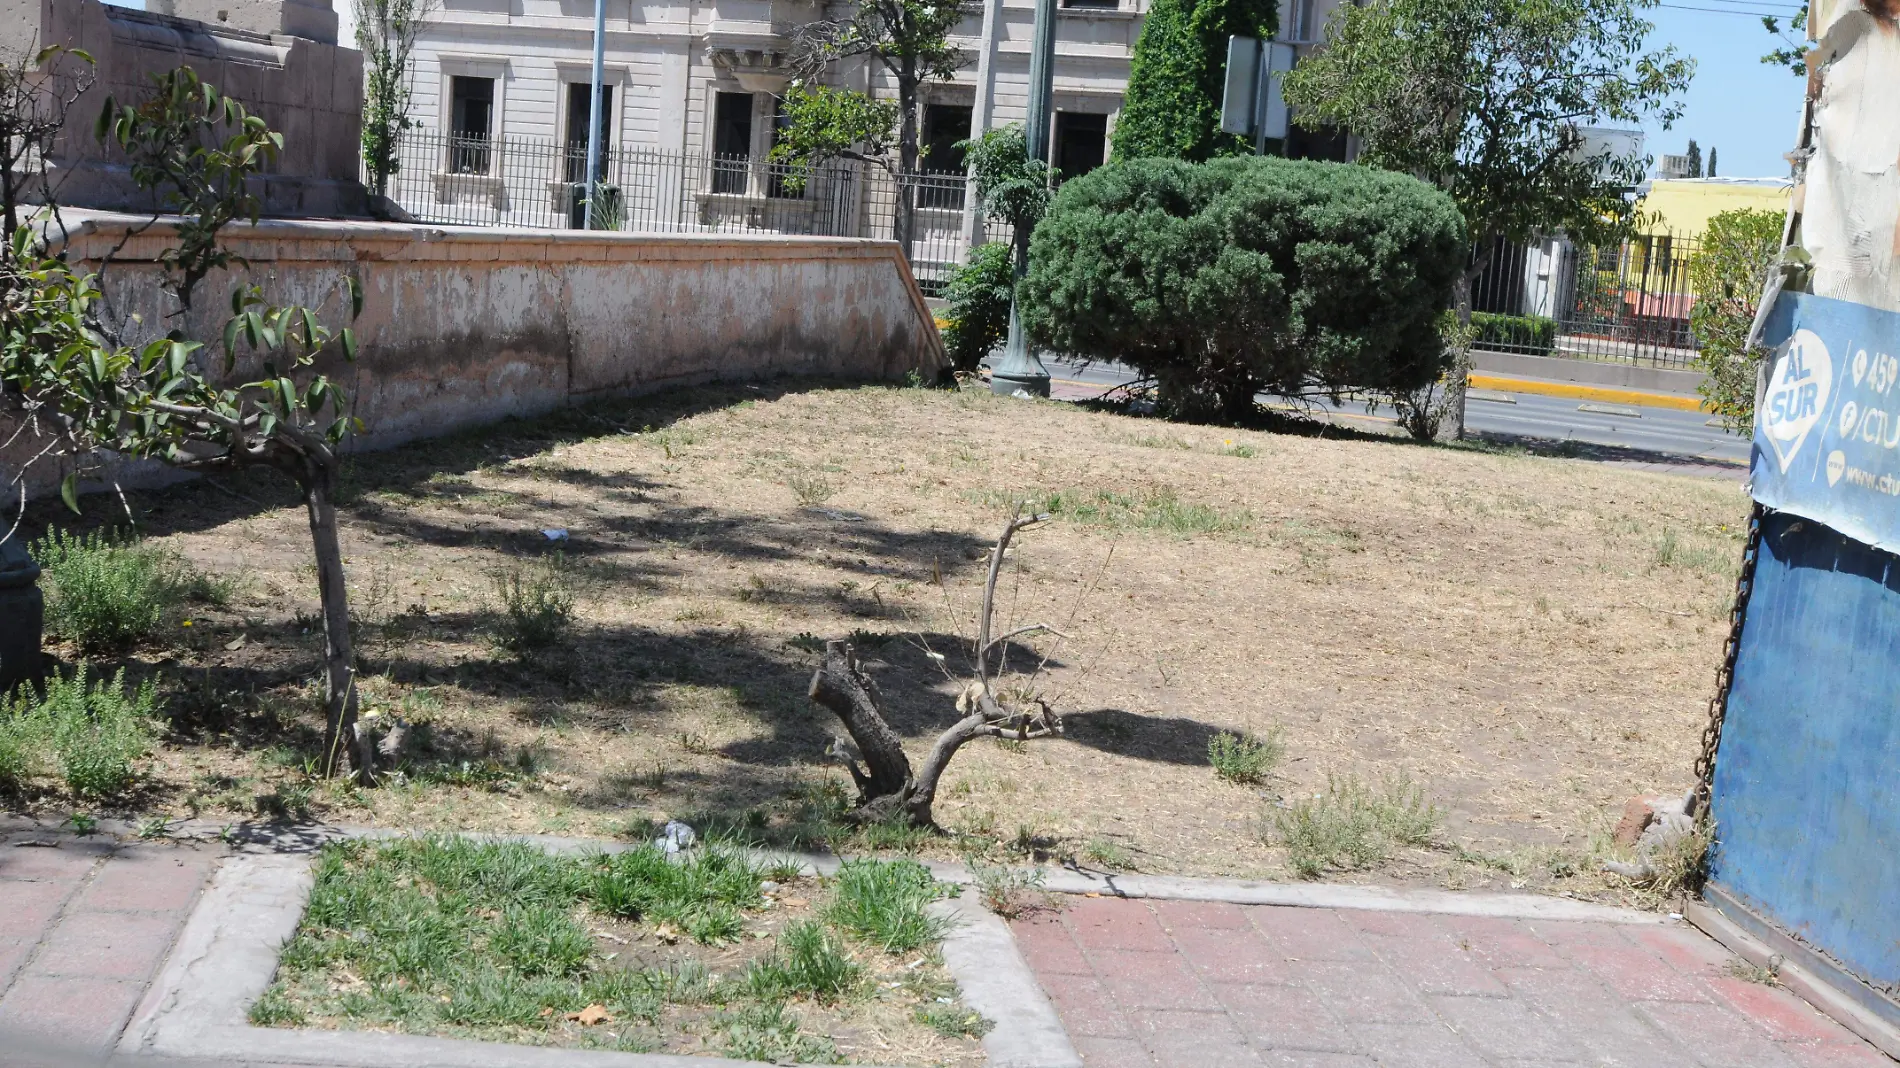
x: 1093, y: 5
x: 579, y: 96
x: 732, y: 141
x: 471, y: 119
x: 776, y: 172
x: 944, y: 126
x: 1081, y: 142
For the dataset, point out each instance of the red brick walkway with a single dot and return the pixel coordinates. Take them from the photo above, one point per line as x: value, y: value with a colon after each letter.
x: 1197, y: 985
x: 84, y: 925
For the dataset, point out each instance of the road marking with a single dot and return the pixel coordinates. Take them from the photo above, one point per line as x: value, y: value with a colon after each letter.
x: 1490, y: 395
x: 1590, y: 393
x: 1610, y: 409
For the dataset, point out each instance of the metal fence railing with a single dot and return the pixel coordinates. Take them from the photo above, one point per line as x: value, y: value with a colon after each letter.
x: 1628, y: 301
x: 540, y: 183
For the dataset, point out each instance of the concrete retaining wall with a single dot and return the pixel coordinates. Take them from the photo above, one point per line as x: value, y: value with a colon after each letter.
x: 464, y: 326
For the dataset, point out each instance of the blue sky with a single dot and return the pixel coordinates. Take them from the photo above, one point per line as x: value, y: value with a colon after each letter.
x: 1745, y: 109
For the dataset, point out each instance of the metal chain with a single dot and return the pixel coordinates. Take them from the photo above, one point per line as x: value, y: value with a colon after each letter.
x: 1725, y: 675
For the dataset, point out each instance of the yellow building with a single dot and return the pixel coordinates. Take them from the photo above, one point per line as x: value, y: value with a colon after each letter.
x: 1682, y: 207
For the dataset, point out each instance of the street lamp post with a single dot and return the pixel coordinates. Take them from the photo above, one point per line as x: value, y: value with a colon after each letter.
x: 594, y: 116
x: 1020, y: 371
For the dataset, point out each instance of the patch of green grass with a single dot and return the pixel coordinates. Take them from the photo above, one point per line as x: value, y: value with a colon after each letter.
x: 1675, y: 552
x: 953, y: 1020
x: 1159, y: 510
x: 276, y: 1009
x: 1108, y: 853
x: 886, y: 903
x: 537, y: 601
x: 809, y: 962
x: 1352, y: 827
x: 105, y: 592
x: 1245, y: 758
x: 701, y: 894
x: 769, y: 1032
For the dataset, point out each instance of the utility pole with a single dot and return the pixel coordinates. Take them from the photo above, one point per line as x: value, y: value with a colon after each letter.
x: 1020, y: 371
x: 594, y: 116
x: 983, y: 113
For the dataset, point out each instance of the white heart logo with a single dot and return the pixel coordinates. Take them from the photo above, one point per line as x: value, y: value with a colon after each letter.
x: 1797, y: 394
x: 1836, y: 464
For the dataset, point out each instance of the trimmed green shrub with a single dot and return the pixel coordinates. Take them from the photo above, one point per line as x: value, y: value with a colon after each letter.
x: 1514, y: 332
x: 978, y: 317
x: 1177, y: 75
x: 107, y: 592
x: 1235, y: 276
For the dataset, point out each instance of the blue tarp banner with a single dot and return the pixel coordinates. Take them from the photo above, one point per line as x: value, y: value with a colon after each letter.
x: 1827, y: 429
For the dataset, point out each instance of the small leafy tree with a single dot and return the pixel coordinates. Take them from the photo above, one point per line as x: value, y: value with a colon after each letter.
x: 979, y: 293
x: 1729, y: 273
x: 910, y: 40
x: 195, y: 149
x: 1487, y: 100
x: 1177, y: 74
x: 1234, y: 276
x: 386, y: 32
x: 87, y: 389
x: 1013, y: 189
x: 36, y: 92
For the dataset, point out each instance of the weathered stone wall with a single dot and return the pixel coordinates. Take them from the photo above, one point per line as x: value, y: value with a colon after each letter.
x: 463, y: 327
x: 308, y: 89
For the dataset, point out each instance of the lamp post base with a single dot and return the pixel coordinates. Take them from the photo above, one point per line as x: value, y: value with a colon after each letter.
x: 1019, y: 371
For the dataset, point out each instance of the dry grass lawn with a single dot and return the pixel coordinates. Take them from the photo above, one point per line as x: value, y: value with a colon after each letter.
x: 1530, y: 639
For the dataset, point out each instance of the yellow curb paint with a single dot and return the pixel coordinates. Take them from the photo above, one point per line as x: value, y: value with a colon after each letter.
x: 1596, y: 393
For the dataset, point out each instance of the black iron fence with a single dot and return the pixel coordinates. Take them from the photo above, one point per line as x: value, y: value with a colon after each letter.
x: 1628, y: 301
x: 540, y: 183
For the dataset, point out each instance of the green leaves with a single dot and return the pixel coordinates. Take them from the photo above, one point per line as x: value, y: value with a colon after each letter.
x: 824, y: 123
x: 1485, y: 98
x: 1013, y: 187
x: 1177, y: 74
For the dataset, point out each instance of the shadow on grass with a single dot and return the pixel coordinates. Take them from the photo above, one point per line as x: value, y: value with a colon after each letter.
x: 1162, y: 739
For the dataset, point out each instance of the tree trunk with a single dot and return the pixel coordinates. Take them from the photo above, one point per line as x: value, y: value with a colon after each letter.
x: 339, y: 655
x: 1458, y: 378
x: 904, y: 225
x: 842, y: 686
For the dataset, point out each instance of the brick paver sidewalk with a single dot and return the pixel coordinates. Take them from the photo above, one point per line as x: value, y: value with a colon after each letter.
x: 1203, y: 985
x: 85, y: 923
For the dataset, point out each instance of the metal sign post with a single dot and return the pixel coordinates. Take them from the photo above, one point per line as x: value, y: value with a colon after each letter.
x: 1251, y: 104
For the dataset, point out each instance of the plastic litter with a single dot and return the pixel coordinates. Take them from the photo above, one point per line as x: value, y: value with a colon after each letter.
x: 674, y: 837
x: 555, y: 533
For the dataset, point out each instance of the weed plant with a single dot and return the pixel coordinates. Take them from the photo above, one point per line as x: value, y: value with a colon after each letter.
x: 886, y: 903
x: 953, y: 1021
x: 107, y: 592
x: 1353, y: 827
x: 811, y: 490
x: 1245, y: 758
x: 809, y: 962
x: 94, y: 732
x: 537, y: 601
x: 769, y: 1032
x: 1009, y: 892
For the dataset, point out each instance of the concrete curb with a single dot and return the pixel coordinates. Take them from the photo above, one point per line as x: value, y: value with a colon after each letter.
x: 1826, y: 997
x: 998, y: 983
x: 269, y: 838
x: 1334, y: 896
x: 1641, y: 398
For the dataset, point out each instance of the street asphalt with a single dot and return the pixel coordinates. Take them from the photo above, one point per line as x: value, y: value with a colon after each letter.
x: 1668, y: 431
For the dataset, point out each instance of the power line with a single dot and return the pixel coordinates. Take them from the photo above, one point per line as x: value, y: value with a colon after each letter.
x: 1784, y: 13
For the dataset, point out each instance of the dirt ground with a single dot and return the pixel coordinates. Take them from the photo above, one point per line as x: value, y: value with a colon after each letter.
x: 1532, y: 639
